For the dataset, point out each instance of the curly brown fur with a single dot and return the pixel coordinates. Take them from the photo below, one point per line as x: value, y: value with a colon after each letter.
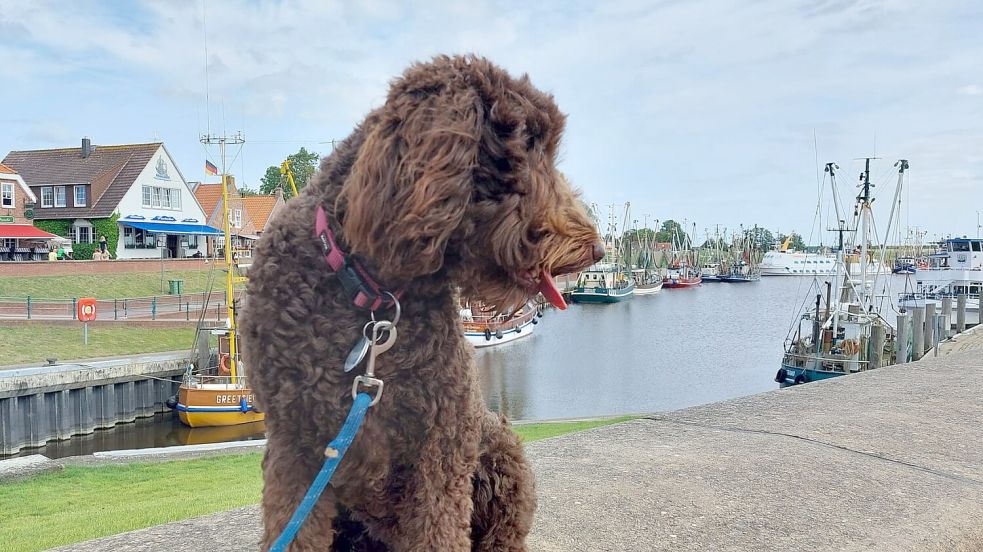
x: 450, y: 187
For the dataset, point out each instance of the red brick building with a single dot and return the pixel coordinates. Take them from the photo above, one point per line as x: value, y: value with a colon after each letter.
x: 19, y: 239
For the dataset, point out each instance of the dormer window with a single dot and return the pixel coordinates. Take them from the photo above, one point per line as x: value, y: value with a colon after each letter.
x: 7, y: 195
x: 81, y: 196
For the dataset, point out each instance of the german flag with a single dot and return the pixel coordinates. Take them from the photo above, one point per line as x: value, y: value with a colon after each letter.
x: 210, y: 168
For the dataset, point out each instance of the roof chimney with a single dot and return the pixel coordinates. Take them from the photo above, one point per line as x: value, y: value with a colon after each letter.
x: 86, y: 147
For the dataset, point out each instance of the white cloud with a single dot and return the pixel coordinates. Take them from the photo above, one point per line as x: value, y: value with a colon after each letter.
x: 685, y: 108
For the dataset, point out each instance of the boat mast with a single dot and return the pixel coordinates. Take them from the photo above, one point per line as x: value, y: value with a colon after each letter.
x: 230, y: 277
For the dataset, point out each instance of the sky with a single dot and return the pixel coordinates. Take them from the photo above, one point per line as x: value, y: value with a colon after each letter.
x: 718, y: 112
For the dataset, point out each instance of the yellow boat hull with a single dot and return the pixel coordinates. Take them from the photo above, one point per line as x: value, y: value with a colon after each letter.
x: 211, y: 405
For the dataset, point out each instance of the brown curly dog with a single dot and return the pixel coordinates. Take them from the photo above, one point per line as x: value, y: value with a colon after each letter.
x: 447, y: 191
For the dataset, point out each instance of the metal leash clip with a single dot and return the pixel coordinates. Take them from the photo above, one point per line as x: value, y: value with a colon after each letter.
x: 379, y: 345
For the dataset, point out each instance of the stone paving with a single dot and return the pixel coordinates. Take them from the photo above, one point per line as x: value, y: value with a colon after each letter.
x: 885, y: 460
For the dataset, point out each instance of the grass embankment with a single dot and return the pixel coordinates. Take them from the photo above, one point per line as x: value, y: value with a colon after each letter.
x: 83, y: 503
x: 36, y: 342
x: 110, y: 286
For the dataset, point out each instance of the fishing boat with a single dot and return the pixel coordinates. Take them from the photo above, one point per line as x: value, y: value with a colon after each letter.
x: 743, y: 269
x: 904, y: 265
x: 681, y: 275
x: 843, y: 332
x: 647, y: 282
x: 681, y: 272
x: 484, y: 329
x: 710, y: 272
x: 603, y: 283
x: 608, y: 281
x: 220, y: 395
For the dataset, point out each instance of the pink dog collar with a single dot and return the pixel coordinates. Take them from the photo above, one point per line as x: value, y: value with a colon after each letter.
x: 364, y: 291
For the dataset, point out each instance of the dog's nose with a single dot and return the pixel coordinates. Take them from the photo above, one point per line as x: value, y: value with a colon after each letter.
x: 598, y: 251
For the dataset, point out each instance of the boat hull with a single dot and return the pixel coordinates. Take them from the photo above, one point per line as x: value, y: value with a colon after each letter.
x: 793, y: 373
x: 212, y: 405
x: 682, y: 283
x: 739, y: 279
x: 601, y: 295
x: 648, y: 289
x: 480, y: 339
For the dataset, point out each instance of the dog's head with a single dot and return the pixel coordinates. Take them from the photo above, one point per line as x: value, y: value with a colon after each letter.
x: 457, y: 173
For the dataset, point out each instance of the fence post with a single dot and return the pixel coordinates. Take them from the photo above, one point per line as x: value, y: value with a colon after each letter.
x: 187, y: 310
x: 28, y: 307
x: 126, y: 313
x: 153, y: 308
x: 75, y: 301
x: 115, y: 309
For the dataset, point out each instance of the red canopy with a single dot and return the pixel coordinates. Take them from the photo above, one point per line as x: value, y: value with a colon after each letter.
x: 23, y: 231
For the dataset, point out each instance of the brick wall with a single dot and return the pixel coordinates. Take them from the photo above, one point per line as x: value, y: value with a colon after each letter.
x: 20, y: 200
x: 63, y: 268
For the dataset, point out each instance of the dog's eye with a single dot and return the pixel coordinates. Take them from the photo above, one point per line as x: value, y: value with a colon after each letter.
x: 536, y: 235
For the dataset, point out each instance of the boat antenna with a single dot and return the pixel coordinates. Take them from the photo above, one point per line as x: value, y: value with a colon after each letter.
x: 204, y: 40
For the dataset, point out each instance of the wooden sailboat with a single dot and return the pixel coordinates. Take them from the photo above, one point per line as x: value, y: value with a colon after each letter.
x: 223, y: 398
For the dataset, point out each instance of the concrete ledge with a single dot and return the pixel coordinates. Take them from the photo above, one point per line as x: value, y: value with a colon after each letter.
x: 885, y: 460
x: 26, y: 466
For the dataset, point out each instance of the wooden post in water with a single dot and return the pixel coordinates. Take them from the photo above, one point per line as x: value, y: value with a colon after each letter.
x: 917, y: 332
x: 947, y: 314
x: 901, y: 340
x: 877, y: 336
x: 929, y: 326
x: 961, y: 313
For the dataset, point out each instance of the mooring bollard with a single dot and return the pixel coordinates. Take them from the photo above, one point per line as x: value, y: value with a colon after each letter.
x: 929, y: 326
x: 917, y: 332
x: 961, y: 313
x: 902, y: 352
x: 947, y: 314
x: 939, y: 333
x: 877, y: 335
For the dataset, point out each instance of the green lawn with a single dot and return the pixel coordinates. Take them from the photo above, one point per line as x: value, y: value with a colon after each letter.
x: 79, y: 503
x: 110, y: 286
x: 36, y: 342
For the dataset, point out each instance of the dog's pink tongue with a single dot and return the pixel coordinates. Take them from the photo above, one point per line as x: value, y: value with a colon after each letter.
x: 548, y: 288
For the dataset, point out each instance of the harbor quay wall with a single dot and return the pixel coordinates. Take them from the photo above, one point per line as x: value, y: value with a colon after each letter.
x: 41, y: 404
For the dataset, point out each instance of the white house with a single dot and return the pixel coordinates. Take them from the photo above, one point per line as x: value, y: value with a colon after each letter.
x: 158, y: 213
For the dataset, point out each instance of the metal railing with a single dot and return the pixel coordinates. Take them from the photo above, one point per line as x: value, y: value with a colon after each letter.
x: 186, y: 306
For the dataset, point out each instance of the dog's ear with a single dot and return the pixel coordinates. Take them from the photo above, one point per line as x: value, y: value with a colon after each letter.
x: 411, y: 181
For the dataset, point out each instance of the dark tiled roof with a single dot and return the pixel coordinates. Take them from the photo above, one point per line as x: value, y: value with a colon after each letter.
x: 110, y: 170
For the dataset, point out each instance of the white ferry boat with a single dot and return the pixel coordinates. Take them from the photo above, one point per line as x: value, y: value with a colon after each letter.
x: 797, y: 263
x: 955, y: 269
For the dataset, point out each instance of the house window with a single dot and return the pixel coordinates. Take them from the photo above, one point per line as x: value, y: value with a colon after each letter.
x: 9, y: 242
x: 80, y: 196
x: 146, y: 196
x: 155, y: 197
x: 47, y: 197
x: 60, y: 199
x: 175, y: 199
x: 193, y: 241
x: 7, y: 195
x: 165, y: 198
x: 82, y: 231
x: 238, y: 218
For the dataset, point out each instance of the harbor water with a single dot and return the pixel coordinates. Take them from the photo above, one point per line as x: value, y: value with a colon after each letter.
x: 667, y: 351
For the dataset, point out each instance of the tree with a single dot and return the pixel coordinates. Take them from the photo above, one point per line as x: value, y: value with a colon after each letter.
x: 763, y: 238
x: 670, y: 227
x: 246, y: 192
x: 302, y: 165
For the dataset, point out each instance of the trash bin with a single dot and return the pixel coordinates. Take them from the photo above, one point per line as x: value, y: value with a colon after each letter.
x: 175, y: 287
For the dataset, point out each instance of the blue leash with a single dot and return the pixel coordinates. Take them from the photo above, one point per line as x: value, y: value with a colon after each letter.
x: 335, y: 452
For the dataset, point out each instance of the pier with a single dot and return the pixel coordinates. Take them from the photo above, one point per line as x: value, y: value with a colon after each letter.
x: 881, y: 460
x: 45, y: 403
